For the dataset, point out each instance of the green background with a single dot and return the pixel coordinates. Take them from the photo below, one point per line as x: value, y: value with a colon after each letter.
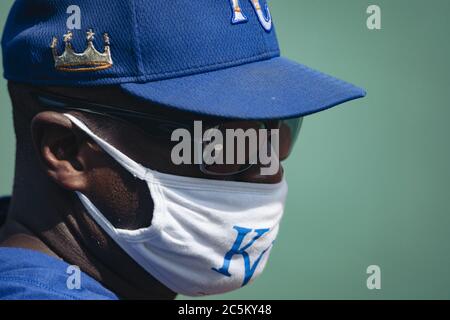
x: 369, y: 180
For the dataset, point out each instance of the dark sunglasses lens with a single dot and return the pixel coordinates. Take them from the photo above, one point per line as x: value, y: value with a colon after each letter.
x: 235, y: 151
x: 248, y: 151
x: 289, y: 132
x: 224, y: 170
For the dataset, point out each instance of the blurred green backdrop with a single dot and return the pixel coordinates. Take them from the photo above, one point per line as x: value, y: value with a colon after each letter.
x: 369, y: 180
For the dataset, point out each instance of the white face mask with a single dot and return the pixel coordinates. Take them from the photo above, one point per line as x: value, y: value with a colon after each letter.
x: 206, y: 236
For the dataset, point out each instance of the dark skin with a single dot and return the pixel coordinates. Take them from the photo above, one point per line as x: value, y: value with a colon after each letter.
x: 45, y: 215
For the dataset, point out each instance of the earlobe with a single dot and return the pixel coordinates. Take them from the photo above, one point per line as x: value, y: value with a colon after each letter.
x: 58, y: 146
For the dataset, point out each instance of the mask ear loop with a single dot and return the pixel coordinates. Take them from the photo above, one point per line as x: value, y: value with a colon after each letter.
x: 136, y: 169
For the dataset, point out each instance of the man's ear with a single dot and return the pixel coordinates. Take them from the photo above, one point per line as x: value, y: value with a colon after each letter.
x: 60, y: 146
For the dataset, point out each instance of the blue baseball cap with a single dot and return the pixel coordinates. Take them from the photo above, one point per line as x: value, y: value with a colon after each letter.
x: 213, y: 57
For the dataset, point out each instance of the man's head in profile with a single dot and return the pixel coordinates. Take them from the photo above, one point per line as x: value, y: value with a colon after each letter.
x: 150, y: 140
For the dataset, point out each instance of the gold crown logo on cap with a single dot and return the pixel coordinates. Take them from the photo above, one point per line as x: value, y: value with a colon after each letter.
x: 89, y: 60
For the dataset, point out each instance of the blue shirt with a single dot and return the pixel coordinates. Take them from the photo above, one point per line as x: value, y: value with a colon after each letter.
x: 29, y: 275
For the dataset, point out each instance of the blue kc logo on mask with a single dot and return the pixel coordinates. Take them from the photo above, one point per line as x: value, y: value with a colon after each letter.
x: 238, y: 249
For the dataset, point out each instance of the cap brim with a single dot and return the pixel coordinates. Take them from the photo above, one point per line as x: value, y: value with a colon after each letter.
x: 271, y: 89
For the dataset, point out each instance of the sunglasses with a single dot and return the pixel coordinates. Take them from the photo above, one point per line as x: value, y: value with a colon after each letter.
x: 162, y: 127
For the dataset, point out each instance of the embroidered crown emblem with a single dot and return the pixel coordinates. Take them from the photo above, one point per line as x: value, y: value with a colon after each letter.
x: 90, y: 60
